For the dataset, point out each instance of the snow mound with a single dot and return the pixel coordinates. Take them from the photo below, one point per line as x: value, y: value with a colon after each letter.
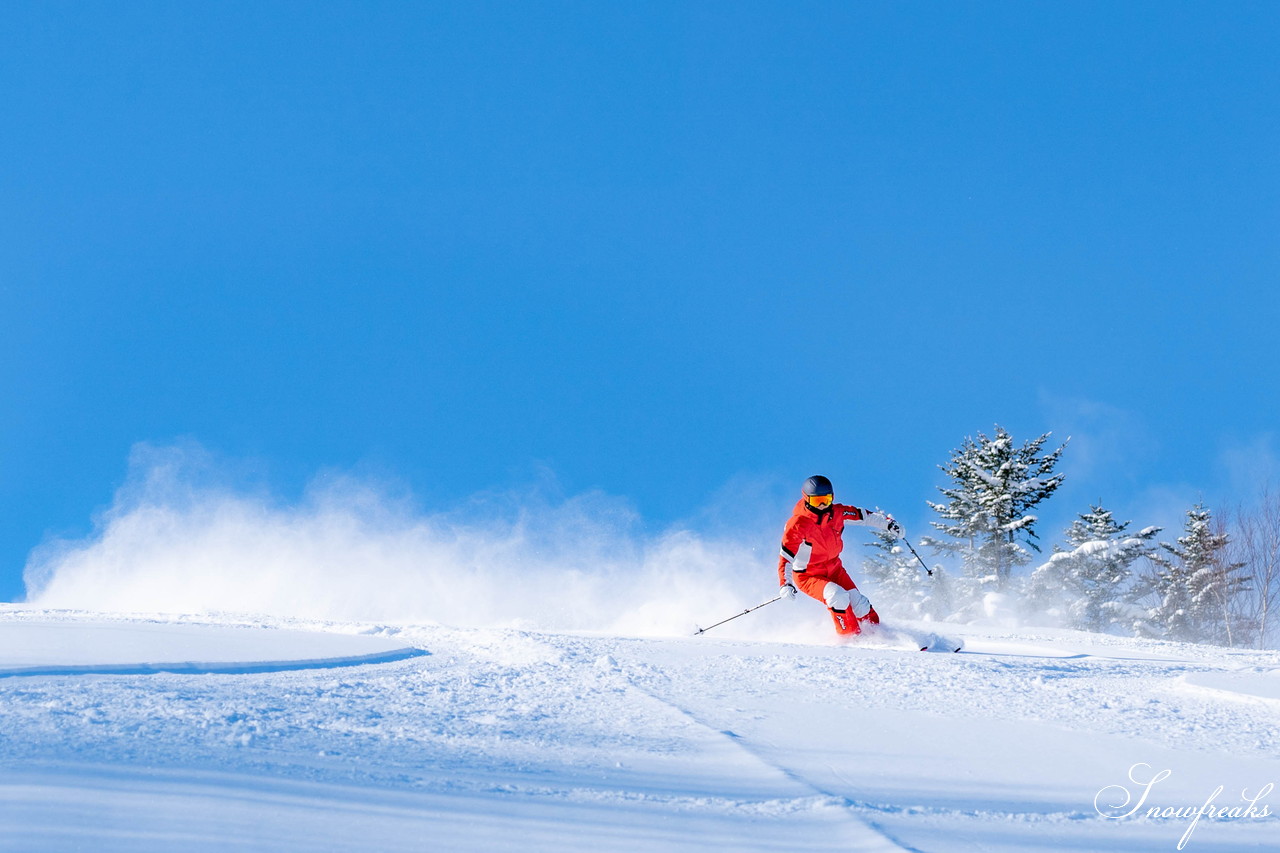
x: 1256, y: 685
x: 36, y: 643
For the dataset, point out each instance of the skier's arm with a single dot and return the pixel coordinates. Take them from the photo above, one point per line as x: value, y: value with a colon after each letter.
x: 792, y: 539
x: 870, y: 518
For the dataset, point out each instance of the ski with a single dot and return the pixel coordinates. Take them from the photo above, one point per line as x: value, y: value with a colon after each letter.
x: 942, y: 644
x: 903, y: 638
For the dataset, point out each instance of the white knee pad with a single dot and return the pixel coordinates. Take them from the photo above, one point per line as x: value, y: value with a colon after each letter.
x: 838, y: 598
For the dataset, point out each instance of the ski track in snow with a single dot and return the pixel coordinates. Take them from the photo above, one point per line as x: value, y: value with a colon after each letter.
x: 508, y: 739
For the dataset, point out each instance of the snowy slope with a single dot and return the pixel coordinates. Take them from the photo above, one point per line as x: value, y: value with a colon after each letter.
x: 501, y: 739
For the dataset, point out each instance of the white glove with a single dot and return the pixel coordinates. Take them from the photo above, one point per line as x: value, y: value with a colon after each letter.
x: 858, y: 603
x: 787, y: 591
x: 894, y: 529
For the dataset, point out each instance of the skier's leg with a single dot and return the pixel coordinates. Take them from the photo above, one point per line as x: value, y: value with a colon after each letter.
x: 840, y: 604
x: 816, y: 586
x: 849, y: 601
x: 841, y: 578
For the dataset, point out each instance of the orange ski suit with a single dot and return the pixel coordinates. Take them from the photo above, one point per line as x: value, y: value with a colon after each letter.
x: 824, y: 531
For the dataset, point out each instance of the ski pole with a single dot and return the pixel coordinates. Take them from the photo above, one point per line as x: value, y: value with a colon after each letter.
x: 731, y: 618
x: 917, y: 556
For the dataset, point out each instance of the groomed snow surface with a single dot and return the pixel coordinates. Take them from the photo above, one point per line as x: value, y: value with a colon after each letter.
x: 129, y: 733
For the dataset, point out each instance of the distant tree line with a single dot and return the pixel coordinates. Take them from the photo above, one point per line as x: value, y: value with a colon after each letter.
x: 1219, y: 582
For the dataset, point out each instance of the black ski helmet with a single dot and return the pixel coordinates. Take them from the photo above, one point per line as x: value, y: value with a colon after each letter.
x: 817, y: 485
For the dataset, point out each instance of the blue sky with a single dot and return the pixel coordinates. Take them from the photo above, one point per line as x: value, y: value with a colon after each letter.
x: 683, y: 254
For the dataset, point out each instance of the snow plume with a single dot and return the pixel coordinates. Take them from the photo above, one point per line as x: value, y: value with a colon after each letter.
x: 179, y: 539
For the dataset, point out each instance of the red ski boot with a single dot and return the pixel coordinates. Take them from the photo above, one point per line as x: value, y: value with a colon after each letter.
x: 846, y: 622
x: 848, y: 625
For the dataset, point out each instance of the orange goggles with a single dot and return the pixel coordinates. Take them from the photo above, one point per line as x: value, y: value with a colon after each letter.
x: 818, y: 501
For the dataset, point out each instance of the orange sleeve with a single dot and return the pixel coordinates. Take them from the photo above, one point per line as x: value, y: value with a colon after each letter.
x: 792, y: 536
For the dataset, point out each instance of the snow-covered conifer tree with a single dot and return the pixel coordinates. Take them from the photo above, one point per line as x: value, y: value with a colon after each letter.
x: 1091, y: 579
x: 1194, y: 586
x: 987, y: 513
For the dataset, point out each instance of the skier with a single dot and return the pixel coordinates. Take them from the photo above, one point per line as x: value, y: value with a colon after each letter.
x: 810, y: 558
